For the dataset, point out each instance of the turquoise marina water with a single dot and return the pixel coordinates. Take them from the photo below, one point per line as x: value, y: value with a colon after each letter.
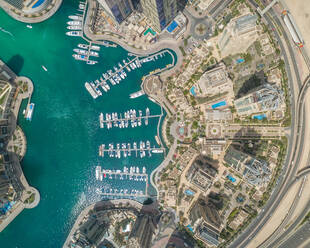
x: 64, y: 134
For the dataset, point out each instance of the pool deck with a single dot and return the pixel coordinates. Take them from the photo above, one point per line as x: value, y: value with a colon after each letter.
x: 33, y: 17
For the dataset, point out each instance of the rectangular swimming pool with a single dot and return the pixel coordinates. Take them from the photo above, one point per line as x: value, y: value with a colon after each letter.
x: 172, y: 26
x: 218, y: 104
x: 260, y: 117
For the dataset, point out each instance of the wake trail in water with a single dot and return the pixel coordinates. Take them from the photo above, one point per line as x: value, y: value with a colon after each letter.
x: 7, y: 32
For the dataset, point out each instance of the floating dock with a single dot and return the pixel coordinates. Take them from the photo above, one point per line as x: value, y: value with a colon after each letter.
x: 132, y: 174
x: 137, y: 94
x: 122, y: 192
x: 126, y: 149
x: 132, y: 117
x: 114, y: 77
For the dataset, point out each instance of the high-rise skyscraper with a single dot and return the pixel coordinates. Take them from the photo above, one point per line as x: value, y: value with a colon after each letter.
x: 119, y: 9
x: 159, y: 12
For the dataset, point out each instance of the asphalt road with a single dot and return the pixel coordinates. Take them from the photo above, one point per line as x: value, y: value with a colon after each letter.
x: 289, y: 171
x: 299, y: 237
x: 205, y: 21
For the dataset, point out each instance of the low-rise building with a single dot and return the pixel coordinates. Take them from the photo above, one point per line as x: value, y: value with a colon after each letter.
x: 217, y: 115
x: 265, y: 98
x: 180, y: 102
x: 214, y: 82
x: 186, y: 157
x: 213, y: 147
x: 254, y: 171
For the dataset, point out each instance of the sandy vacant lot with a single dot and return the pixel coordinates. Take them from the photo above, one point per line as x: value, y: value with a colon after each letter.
x: 300, y: 9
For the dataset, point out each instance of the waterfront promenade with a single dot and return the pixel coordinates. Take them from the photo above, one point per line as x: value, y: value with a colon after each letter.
x: 159, y: 96
x: 158, y: 46
x: 154, y: 177
x: 29, y: 196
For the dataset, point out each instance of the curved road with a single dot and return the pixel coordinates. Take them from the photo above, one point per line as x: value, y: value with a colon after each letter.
x: 294, y: 150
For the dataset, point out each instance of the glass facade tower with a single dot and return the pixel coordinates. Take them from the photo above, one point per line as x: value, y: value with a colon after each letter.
x: 120, y: 9
x: 159, y: 12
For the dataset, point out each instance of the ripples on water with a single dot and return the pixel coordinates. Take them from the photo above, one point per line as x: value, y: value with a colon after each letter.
x: 7, y: 32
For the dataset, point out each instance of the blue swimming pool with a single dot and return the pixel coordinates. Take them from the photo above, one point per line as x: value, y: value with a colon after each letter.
x: 172, y: 26
x: 192, y: 91
x: 219, y: 104
x: 190, y: 228
x: 260, y: 117
x: 38, y: 3
x: 189, y: 192
x: 7, y: 207
x: 239, y: 61
x: 232, y: 179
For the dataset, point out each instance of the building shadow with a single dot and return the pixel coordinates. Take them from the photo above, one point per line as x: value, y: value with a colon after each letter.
x: 248, y: 140
x: 16, y: 63
x: 256, y: 80
x: 181, y: 4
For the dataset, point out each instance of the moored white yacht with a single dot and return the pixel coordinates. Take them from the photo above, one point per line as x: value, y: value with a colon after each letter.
x: 83, y: 46
x: 74, y: 17
x: 74, y: 23
x: 74, y: 33
x: 74, y: 27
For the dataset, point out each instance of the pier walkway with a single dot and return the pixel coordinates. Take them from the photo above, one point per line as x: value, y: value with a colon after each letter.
x: 132, y: 194
x: 120, y: 69
x: 135, y: 118
x: 132, y: 118
x: 131, y: 175
x: 126, y: 150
